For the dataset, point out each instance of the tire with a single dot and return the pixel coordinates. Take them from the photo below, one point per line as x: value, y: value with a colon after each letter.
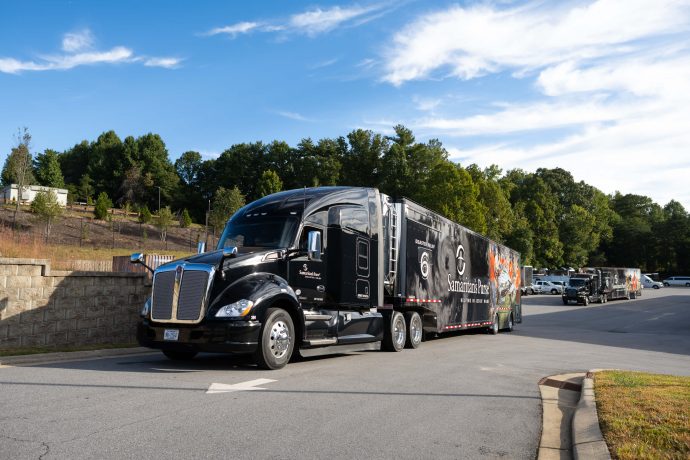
x: 511, y: 324
x: 531, y: 291
x: 180, y: 355
x: 655, y: 286
x: 414, y: 332
x: 554, y: 291
x: 276, y: 340
x: 395, y: 333
x: 687, y: 284
x: 666, y: 284
x: 586, y: 301
x: 565, y: 301
x: 493, y: 330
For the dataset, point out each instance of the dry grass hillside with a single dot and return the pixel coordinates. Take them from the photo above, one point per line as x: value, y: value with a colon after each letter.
x: 77, y: 235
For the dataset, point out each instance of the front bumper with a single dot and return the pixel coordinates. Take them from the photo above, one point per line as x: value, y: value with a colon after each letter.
x: 239, y: 337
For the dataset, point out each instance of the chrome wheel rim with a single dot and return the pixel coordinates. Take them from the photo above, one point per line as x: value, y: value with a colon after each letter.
x: 279, y: 340
x: 399, y: 330
x: 416, y: 329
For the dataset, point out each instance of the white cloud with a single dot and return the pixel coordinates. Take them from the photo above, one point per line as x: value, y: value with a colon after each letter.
x: 292, y: 115
x: 77, y: 47
x: 77, y: 41
x: 165, y: 62
x: 312, y: 22
x: 235, y: 29
x: 318, y: 21
x: 470, y: 42
x: 67, y: 61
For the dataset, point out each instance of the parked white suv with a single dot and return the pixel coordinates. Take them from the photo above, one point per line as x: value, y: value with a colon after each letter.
x: 545, y: 287
x: 677, y: 281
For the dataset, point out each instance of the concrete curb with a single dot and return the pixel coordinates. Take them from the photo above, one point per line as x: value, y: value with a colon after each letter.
x: 48, y: 358
x: 588, y: 442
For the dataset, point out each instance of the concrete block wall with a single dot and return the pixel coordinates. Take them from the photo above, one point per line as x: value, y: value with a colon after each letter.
x: 40, y: 307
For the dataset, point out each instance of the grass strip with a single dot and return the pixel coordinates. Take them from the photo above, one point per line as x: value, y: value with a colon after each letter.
x: 644, y: 416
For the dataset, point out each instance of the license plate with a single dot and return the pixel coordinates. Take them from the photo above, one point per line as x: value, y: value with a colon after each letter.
x: 171, y: 334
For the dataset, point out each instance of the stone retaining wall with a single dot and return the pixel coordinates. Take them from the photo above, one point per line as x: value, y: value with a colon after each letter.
x: 40, y: 307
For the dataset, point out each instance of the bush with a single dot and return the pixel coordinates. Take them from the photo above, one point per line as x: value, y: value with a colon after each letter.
x: 185, y: 219
x: 144, y: 214
x: 103, y: 204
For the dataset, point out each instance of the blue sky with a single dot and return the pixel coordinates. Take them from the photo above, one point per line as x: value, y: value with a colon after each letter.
x: 600, y: 88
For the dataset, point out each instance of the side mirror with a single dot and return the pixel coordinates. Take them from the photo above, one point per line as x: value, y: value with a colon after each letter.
x: 314, y: 245
x: 138, y: 258
x: 230, y: 252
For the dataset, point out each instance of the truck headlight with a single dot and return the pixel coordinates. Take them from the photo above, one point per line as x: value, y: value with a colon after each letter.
x: 236, y: 309
x: 147, y: 308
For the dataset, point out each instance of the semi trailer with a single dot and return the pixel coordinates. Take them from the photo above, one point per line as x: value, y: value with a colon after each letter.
x: 601, y: 284
x: 330, y: 270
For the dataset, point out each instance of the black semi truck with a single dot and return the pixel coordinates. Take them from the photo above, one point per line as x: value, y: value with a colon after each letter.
x: 601, y: 284
x: 330, y: 269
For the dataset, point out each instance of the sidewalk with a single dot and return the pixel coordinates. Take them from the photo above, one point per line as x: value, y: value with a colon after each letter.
x: 47, y: 358
x: 570, y: 425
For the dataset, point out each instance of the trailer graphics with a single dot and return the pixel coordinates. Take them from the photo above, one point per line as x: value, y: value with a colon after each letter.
x: 330, y: 270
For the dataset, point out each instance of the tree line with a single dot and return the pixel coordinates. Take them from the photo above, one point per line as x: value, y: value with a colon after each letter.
x: 551, y: 219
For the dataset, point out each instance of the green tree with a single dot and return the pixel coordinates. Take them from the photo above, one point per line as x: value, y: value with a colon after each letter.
x: 225, y: 203
x: 47, y: 167
x: 165, y: 219
x: 103, y: 204
x: 17, y: 168
x: 188, y: 167
x: 85, y: 189
x: 144, y: 214
x: 185, y: 219
x: 45, y: 205
x: 362, y: 160
x: 269, y: 183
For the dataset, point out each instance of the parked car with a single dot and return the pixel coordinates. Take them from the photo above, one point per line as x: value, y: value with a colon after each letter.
x: 677, y: 281
x: 649, y: 283
x: 545, y: 287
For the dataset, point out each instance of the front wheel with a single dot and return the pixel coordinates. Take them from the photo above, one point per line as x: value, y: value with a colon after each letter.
x: 531, y: 291
x: 565, y: 301
x: 395, y: 333
x: 554, y: 291
x: 656, y: 287
x: 586, y: 301
x: 414, y: 329
x: 687, y: 284
x: 277, y: 340
x: 666, y: 284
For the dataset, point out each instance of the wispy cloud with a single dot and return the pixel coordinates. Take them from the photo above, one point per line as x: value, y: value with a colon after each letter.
x: 318, y: 21
x: 166, y: 63
x: 470, y: 42
x: 78, y: 52
x: 73, y: 42
x: 292, y: 115
x: 312, y: 22
x: 235, y: 29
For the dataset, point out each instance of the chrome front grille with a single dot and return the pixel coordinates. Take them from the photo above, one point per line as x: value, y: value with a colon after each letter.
x: 192, y: 293
x: 179, y: 293
x: 163, y: 288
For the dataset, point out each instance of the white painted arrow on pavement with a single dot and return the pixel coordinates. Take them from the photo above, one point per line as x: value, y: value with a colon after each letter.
x: 244, y: 386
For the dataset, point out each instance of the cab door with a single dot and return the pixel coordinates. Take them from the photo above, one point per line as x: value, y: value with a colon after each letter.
x: 308, y: 277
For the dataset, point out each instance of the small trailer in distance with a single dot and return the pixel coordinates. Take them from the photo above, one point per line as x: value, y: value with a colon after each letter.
x: 330, y: 270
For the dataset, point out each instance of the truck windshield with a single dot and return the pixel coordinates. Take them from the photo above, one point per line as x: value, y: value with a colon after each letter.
x: 576, y: 282
x: 260, y: 231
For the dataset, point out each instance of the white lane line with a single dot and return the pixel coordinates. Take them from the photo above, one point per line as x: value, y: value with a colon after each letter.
x: 243, y: 386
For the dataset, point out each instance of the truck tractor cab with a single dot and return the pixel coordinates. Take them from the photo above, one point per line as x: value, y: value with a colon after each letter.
x: 584, y: 288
